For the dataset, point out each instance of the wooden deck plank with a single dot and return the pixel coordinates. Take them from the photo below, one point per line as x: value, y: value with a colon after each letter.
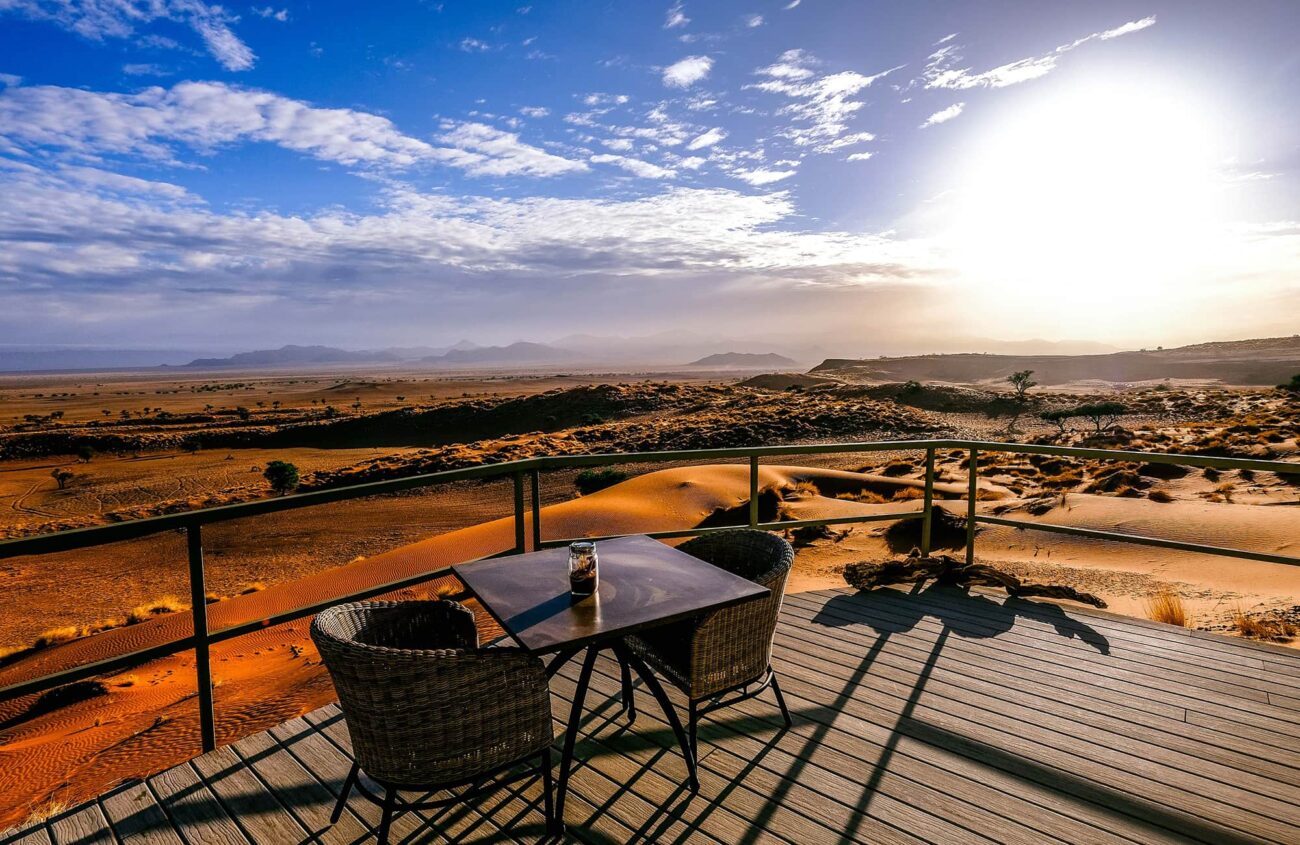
x: 1224, y: 701
x: 136, y: 817
x: 1053, y: 741
x: 254, y: 808
x: 193, y: 807
x: 85, y: 825
x: 31, y: 835
x: 917, y: 720
x: 1074, y: 700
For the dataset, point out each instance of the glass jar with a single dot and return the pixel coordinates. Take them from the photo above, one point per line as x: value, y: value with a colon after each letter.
x: 584, y: 568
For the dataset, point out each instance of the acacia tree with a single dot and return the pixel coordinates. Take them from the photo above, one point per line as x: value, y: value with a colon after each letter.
x: 282, y: 476
x: 1101, y: 414
x: 62, y: 476
x: 1020, y: 382
x: 1059, y: 417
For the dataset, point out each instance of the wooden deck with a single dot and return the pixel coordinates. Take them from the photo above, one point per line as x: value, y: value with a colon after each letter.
x: 937, y: 717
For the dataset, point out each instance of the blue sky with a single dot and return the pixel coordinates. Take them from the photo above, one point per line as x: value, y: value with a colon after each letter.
x: 869, y: 176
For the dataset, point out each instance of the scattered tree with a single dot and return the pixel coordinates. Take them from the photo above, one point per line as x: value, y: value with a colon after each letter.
x: 243, y: 412
x: 1102, y: 415
x: 1020, y: 382
x: 62, y: 477
x: 190, y: 446
x: 85, y: 453
x: 1059, y: 417
x: 1293, y: 386
x: 282, y: 476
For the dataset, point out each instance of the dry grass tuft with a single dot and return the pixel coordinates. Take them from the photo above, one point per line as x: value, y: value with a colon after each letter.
x: 1167, y: 606
x: 1258, y: 628
x: 802, y: 490
x: 255, y: 587
x: 1160, y: 496
x: 157, y: 607
x: 904, y: 493
x: 866, y: 497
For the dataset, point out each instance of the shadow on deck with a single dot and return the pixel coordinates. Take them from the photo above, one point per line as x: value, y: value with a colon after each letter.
x: 932, y: 716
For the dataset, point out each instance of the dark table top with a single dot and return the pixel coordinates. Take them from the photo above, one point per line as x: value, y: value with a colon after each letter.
x: 643, y: 583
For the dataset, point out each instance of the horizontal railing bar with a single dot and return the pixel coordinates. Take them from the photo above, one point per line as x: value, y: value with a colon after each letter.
x: 97, y: 535
x: 1139, y: 540
x: 1142, y: 457
x: 232, y: 631
x: 762, y: 526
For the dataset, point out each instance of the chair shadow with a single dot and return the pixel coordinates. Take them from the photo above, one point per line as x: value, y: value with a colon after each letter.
x: 970, y: 615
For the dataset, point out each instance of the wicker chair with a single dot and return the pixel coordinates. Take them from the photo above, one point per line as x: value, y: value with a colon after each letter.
x: 728, y: 650
x: 427, y: 709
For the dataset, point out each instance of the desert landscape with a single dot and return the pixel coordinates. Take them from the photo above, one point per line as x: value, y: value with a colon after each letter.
x: 89, y: 449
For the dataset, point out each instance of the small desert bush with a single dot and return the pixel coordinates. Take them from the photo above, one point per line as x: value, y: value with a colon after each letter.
x: 157, y: 607
x: 591, y: 480
x: 1259, y: 628
x: 902, y: 494
x: 1068, y: 478
x: 866, y: 497
x: 802, y: 490
x: 1167, y: 606
x: 1160, y: 496
x: 898, y: 467
x: 255, y: 587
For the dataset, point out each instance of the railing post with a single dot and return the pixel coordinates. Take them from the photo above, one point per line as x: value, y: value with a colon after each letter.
x: 537, y: 509
x: 971, y: 494
x: 928, y: 518
x: 520, y: 544
x: 753, y: 491
x: 202, y: 659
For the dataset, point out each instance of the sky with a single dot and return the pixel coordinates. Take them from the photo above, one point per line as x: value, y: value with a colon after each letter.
x: 873, y: 177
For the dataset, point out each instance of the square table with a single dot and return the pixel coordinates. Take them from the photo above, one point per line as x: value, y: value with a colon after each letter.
x: 643, y: 584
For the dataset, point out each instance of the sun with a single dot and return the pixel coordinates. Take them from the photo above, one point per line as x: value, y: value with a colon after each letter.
x: 1096, y: 204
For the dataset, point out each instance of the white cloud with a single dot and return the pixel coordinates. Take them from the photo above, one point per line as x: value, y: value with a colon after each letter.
x: 941, y: 70
x: 675, y: 17
x: 534, y: 111
x: 753, y: 21
x: 622, y: 145
x: 145, y: 70
x: 473, y: 45
x: 822, y: 105
x: 707, y: 139
x: 207, y: 115
x: 601, y: 99
x: 688, y: 71
x: 860, y: 156
x: 950, y: 36
x: 644, y: 169
x: 269, y: 12
x: 762, y: 175
x: 791, y: 4
x: 101, y: 19
x: 943, y: 115
x: 692, y: 162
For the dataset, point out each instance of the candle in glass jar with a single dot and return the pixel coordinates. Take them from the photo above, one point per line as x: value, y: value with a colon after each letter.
x: 584, y: 568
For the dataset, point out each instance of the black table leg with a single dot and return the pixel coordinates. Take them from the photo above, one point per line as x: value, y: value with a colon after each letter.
x: 571, y: 735
x: 648, y: 678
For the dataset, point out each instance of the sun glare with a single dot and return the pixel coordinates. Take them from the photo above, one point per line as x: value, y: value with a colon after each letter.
x: 1090, y: 204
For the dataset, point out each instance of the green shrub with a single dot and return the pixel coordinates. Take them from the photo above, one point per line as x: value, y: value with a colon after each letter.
x: 590, y: 480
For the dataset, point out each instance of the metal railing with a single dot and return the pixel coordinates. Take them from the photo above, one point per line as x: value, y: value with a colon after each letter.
x: 530, y: 513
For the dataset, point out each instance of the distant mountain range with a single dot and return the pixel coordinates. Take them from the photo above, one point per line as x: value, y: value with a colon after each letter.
x: 1262, y: 361
x: 743, y: 360
x: 521, y: 352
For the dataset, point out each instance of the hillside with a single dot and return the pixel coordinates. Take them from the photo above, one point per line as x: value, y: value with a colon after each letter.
x: 294, y: 355
x: 1265, y: 361
x: 743, y: 360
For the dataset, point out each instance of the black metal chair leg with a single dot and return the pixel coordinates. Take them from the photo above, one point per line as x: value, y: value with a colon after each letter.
x: 629, y: 702
x: 571, y: 734
x: 780, y: 700
x: 692, y: 728
x: 343, y: 796
x: 552, y: 828
x: 390, y: 799
x: 656, y: 689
